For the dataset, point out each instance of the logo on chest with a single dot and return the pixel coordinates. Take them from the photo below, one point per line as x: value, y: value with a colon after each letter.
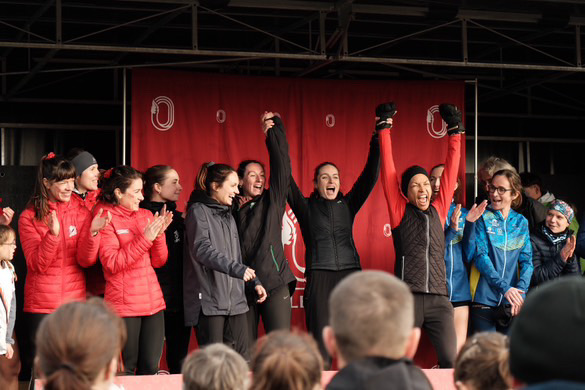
x: 123, y: 231
x: 72, y: 231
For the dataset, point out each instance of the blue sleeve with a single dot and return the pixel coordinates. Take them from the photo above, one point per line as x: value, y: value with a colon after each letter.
x: 450, y: 234
x: 469, y: 237
x: 525, y: 265
x: 484, y: 264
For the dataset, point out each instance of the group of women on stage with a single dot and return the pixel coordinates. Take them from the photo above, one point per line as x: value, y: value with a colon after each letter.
x: 220, y: 266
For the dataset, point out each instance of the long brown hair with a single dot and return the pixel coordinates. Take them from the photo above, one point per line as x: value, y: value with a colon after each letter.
x: 54, y: 169
x: 286, y: 360
x: 76, y: 343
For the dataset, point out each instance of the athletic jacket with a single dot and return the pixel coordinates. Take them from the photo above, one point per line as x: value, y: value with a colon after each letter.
x: 380, y: 373
x: 459, y: 248
x: 54, y: 273
x: 213, y: 280
x: 259, y: 221
x: 170, y: 275
x: 503, y: 256
x: 327, y: 225
x: 94, y: 275
x: 128, y: 258
x: 422, y: 269
x: 546, y: 256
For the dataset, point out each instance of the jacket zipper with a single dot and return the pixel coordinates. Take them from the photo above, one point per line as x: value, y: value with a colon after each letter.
x: 333, y: 235
x: 452, y: 268
x: 427, y: 253
x: 505, y: 254
x: 274, y: 259
x: 402, y: 267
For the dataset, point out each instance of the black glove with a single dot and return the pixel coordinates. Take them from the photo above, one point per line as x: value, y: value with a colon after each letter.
x: 385, y: 111
x: 453, y: 117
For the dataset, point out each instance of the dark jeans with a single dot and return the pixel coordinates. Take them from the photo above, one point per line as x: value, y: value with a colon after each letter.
x: 230, y: 330
x: 143, y: 349
x: 177, y: 336
x: 275, y: 311
x: 487, y: 319
x: 316, y: 301
x: 434, y: 314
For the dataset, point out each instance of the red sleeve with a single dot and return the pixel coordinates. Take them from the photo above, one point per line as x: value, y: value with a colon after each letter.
x: 87, y: 246
x: 40, y: 249
x: 115, y: 258
x: 449, y: 178
x: 390, y: 181
x: 159, y: 252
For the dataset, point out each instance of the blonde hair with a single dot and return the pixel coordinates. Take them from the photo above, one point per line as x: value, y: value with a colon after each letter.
x: 483, y: 362
x: 371, y: 311
x: 493, y: 164
x: 215, y: 367
x: 285, y: 360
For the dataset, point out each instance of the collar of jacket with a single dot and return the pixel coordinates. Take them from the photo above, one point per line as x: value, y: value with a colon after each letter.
x: 199, y: 196
x: 554, y: 238
x: 315, y: 195
x: 121, y: 211
x: 157, y: 206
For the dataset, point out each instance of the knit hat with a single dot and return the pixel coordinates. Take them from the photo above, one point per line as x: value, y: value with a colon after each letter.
x: 547, y: 338
x: 83, y: 161
x: 409, y: 174
x: 563, y: 208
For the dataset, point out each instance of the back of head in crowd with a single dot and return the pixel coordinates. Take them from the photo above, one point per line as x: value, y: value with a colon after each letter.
x: 78, y: 346
x: 532, y: 185
x: 286, y: 360
x: 215, y: 367
x: 371, y: 313
x: 489, y: 167
x: 55, y: 182
x: 119, y: 178
x: 547, y: 342
x: 482, y: 363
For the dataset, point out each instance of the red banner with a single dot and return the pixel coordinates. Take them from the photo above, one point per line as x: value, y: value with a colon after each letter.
x: 184, y: 119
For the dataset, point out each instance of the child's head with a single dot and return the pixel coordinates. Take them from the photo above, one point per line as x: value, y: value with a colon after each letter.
x: 7, y: 243
x: 215, y: 367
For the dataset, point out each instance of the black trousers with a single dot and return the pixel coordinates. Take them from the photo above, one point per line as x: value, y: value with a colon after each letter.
x: 229, y: 330
x: 434, y: 314
x: 177, y: 337
x: 316, y: 301
x: 276, y: 313
x: 32, y: 321
x: 143, y: 349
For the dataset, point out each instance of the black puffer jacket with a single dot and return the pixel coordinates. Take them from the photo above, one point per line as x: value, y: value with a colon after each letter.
x: 327, y: 224
x: 380, y: 373
x: 420, y: 249
x: 259, y: 221
x: 213, y: 278
x: 170, y: 275
x: 546, y: 256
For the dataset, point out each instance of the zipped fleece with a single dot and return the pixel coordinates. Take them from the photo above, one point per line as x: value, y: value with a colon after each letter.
x: 213, y: 269
x: 128, y: 259
x: 327, y: 225
x: 54, y: 273
x: 421, y: 242
x: 259, y: 221
x: 503, y: 256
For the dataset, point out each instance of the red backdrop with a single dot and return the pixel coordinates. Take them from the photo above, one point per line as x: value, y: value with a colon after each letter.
x: 184, y: 119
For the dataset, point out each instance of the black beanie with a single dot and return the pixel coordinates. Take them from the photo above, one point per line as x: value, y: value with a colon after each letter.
x: 547, y: 338
x: 409, y: 174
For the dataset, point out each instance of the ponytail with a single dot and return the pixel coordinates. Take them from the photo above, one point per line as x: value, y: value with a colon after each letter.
x: 211, y: 172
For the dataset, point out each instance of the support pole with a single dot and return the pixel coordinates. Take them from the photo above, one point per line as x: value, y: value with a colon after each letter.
x: 124, y: 120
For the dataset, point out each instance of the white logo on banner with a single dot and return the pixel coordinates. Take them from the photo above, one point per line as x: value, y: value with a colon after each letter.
x: 330, y: 120
x: 155, y: 111
x: 387, y: 230
x: 289, y: 237
x: 220, y: 116
x: 432, y: 126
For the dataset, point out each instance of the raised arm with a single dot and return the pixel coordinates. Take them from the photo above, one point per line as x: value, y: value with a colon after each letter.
x: 298, y: 203
x: 368, y: 178
x: 395, y: 200
x: 280, y: 168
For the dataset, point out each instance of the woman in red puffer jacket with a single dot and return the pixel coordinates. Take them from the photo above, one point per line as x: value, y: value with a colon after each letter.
x: 131, y: 246
x: 58, y: 237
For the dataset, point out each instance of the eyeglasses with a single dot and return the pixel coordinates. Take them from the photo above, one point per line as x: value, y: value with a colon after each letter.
x: 501, y: 190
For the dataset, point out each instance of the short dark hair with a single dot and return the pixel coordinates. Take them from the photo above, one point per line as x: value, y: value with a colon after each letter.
x: 531, y: 179
x: 244, y: 164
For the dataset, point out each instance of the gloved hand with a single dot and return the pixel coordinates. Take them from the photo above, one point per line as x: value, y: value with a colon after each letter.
x: 384, y: 112
x: 453, y: 117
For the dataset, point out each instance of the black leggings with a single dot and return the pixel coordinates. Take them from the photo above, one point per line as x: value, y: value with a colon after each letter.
x: 434, y: 314
x: 143, y: 349
x: 229, y: 330
x: 275, y: 312
x: 177, y: 336
x: 316, y: 301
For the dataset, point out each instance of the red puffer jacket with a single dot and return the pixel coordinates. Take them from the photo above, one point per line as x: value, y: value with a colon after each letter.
x: 90, y: 199
x: 54, y: 275
x: 128, y: 258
